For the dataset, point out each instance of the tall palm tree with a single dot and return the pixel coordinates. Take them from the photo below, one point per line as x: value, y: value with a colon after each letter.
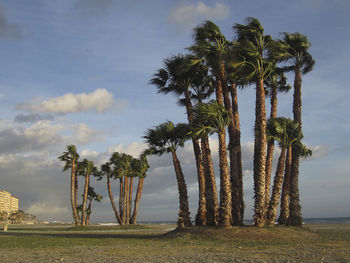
x: 275, y: 83
x: 213, y: 117
x: 286, y: 132
x: 235, y: 80
x: 294, y: 50
x: 70, y: 157
x: 211, y: 45
x: 166, y: 138
x: 177, y: 77
x: 140, y: 167
x: 253, y: 63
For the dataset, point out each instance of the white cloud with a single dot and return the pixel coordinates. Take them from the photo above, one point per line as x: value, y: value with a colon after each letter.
x: 186, y: 16
x: 38, y: 136
x: 98, y: 101
x: 84, y: 134
x: 134, y: 148
x: 89, y: 153
x: 1, y: 96
x: 318, y: 151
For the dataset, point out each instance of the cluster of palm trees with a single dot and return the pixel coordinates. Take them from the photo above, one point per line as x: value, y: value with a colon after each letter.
x: 85, y: 168
x: 125, y: 168
x: 217, y: 66
x: 120, y: 166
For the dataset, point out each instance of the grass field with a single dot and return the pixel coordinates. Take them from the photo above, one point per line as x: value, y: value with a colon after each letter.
x: 158, y: 243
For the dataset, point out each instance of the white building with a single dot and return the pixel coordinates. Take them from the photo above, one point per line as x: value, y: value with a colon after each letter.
x: 8, y: 203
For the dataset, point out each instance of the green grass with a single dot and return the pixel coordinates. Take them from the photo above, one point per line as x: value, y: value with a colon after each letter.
x: 149, y: 241
x: 70, y: 228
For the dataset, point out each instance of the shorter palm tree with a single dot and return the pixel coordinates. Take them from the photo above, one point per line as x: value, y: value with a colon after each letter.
x: 106, y: 170
x: 286, y: 132
x: 139, y: 167
x: 275, y: 83
x: 294, y: 50
x: 209, y: 118
x: 166, y: 138
x: 70, y: 157
x: 92, y: 196
x: 122, y: 171
x: 85, y: 168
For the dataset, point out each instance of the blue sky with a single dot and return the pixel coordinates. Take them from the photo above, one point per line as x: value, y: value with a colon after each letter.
x: 78, y: 72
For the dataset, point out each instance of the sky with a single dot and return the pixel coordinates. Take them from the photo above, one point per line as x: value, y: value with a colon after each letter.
x: 78, y: 72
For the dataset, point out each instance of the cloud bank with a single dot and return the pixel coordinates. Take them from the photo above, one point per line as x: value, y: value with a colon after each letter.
x: 97, y: 101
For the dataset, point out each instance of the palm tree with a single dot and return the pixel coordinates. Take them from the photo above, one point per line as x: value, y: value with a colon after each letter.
x: 276, y: 82
x: 85, y: 168
x: 293, y: 49
x: 107, y: 171
x: 235, y: 80
x: 255, y: 66
x: 70, y: 157
x: 166, y: 138
x: 284, y: 218
x: 92, y: 195
x: 286, y: 132
x: 122, y: 170
x: 177, y: 77
x: 213, y: 117
x: 211, y: 45
x: 285, y: 195
x: 140, y: 167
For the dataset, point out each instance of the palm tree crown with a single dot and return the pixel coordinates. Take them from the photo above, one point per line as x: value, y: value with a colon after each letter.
x: 293, y: 49
x: 166, y: 137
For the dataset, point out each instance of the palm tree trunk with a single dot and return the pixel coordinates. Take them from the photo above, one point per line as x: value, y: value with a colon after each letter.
x: 85, y: 195
x: 284, y: 211
x: 130, y: 198
x: 125, y: 200
x: 111, y: 197
x: 201, y: 212
x: 211, y: 195
x: 270, y: 149
x: 234, y: 172
x: 259, y: 155
x: 89, y: 213
x: 72, y: 194
x: 121, y: 203
x: 184, y: 212
x: 76, y: 190
x: 276, y: 191
x: 137, y: 200
x: 225, y: 184
x: 295, y: 218
x: 237, y: 179
x: 225, y: 194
